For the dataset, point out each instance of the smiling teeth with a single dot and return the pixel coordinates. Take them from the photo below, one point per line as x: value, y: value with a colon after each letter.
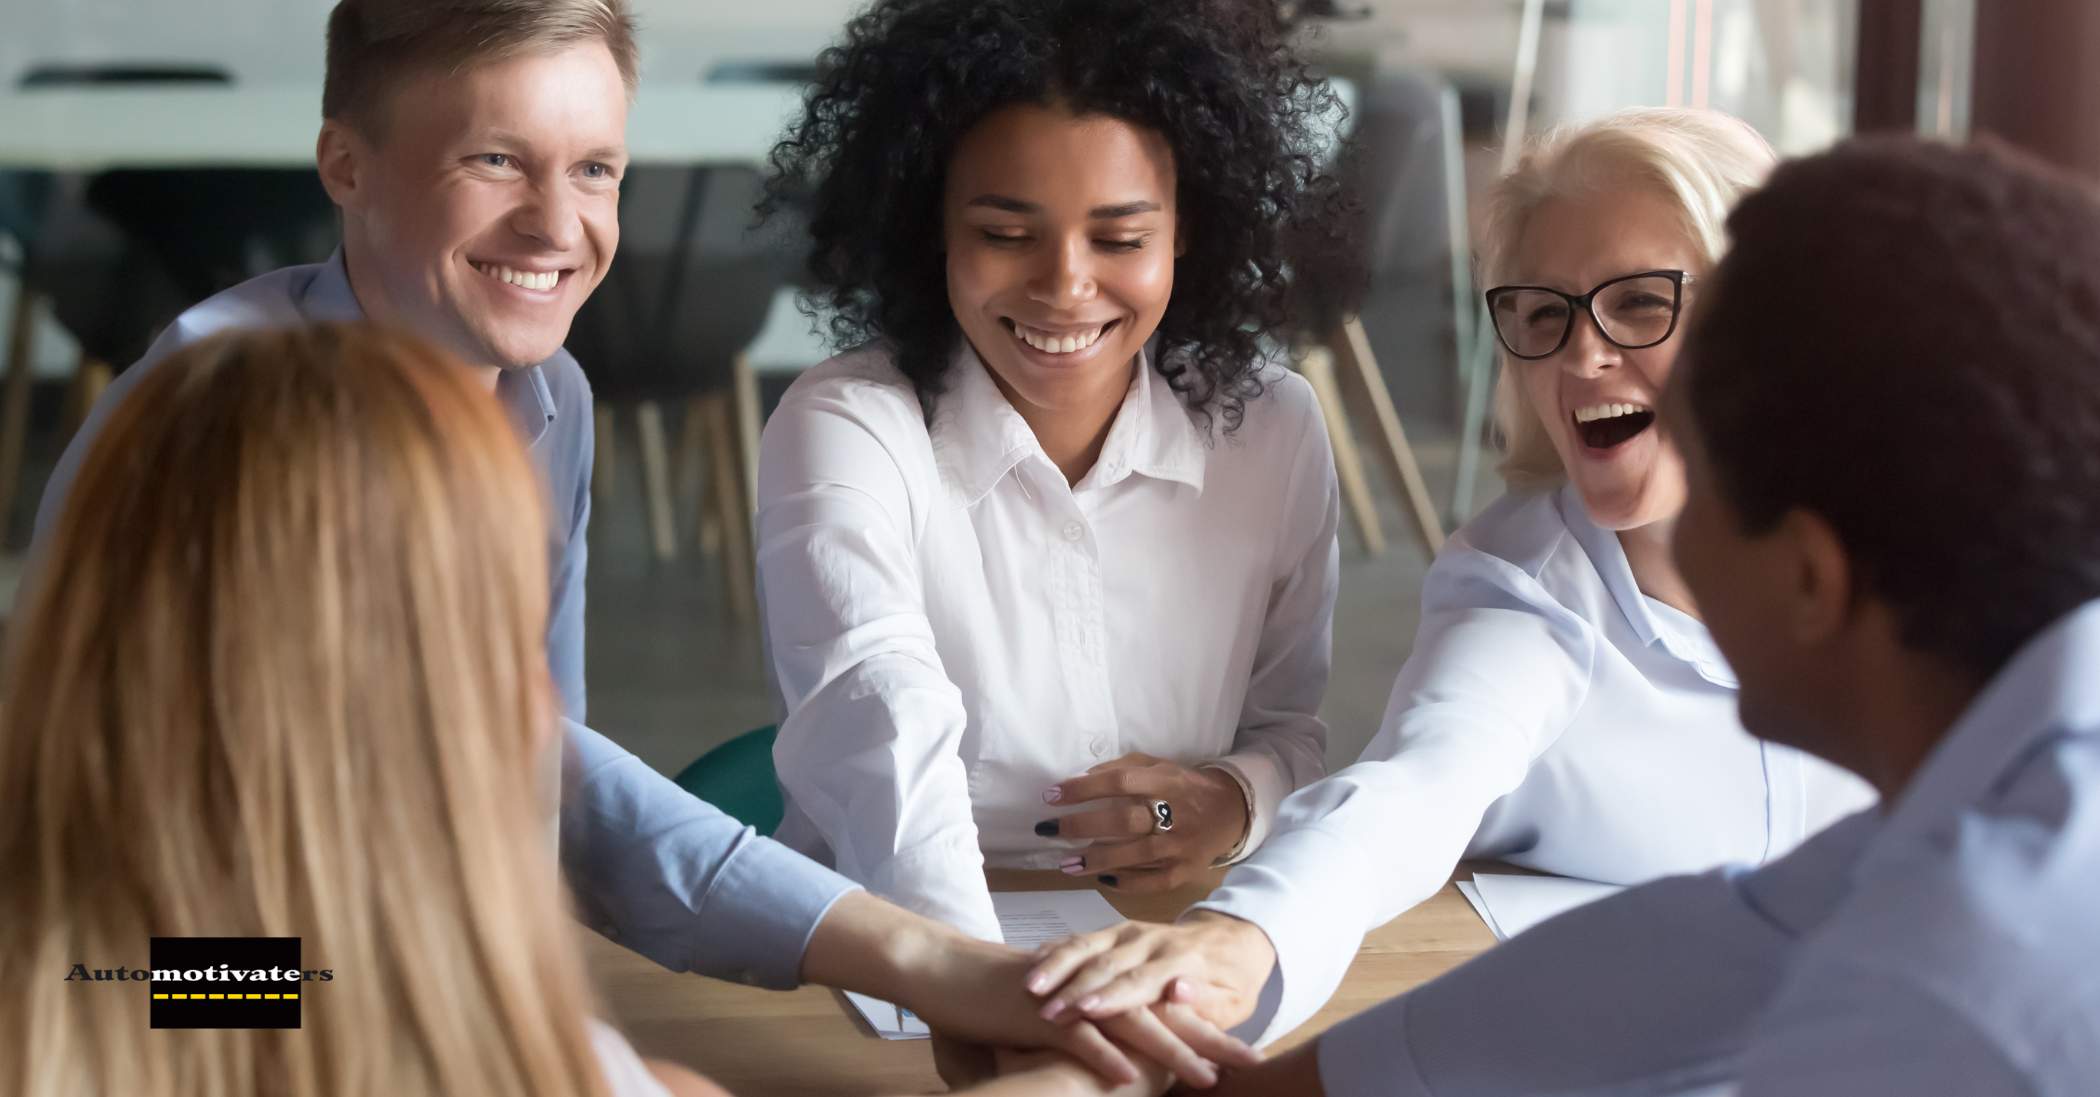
x: 1605, y: 411
x: 1051, y: 343
x: 523, y: 278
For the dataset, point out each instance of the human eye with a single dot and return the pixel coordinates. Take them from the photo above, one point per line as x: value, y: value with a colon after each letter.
x: 1004, y: 236
x: 1123, y: 244
x: 1546, y: 313
x: 497, y: 160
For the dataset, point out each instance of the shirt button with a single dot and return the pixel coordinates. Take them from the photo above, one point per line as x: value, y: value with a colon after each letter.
x: 1074, y: 531
x: 1099, y: 747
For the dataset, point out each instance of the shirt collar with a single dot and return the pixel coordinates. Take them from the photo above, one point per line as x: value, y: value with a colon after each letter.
x: 1153, y: 435
x: 978, y: 437
x: 2047, y: 688
x: 1679, y: 633
x: 524, y: 393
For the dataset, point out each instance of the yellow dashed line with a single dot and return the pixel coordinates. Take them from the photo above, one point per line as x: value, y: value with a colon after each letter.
x: 225, y: 997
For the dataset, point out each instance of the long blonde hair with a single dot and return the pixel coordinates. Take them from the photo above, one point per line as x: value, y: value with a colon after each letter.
x: 281, y: 674
x: 1702, y: 161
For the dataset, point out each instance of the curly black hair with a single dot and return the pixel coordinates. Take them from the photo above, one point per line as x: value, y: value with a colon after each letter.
x: 1245, y: 119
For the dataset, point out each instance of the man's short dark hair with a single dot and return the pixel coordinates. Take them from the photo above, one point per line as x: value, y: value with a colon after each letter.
x: 374, y: 44
x: 1905, y: 340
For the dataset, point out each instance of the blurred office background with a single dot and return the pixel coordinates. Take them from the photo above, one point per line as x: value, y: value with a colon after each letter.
x: 153, y: 152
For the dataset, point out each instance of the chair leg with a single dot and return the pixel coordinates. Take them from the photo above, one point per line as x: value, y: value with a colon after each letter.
x: 739, y: 576
x: 605, y: 452
x: 656, y: 475
x: 1318, y: 368
x: 1359, y: 365
x: 14, y: 413
x: 93, y: 377
x: 1472, y: 419
x: 695, y: 483
x: 745, y: 387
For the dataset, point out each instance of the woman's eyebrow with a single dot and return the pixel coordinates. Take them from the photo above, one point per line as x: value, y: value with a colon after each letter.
x: 1127, y: 209
x: 1098, y: 213
x: 1002, y: 202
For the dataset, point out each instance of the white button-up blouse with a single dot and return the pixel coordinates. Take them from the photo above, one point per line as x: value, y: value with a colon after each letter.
x: 1551, y: 715
x: 954, y: 628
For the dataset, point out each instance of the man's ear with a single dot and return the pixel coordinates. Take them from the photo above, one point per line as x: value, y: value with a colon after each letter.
x: 1822, y: 588
x: 342, y: 156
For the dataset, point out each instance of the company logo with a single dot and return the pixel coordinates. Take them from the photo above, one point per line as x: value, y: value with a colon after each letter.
x: 220, y: 982
x: 226, y: 982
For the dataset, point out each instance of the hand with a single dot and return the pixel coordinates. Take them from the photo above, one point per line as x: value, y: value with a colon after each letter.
x: 962, y: 1064
x: 967, y: 988
x: 975, y: 994
x: 973, y: 991
x: 1296, y: 1073
x: 1212, y: 963
x: 1039, y: 1074
x: 1210, y: 818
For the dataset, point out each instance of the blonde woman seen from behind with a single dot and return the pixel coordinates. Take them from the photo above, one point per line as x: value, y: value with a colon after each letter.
x: 1563, y: 707
x: 281, y: 675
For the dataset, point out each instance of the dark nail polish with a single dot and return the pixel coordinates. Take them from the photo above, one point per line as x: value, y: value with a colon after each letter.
x: 1046, y: 829
x: 1108, y: 880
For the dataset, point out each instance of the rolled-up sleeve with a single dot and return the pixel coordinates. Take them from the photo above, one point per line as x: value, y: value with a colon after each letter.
x: 869, y: 752
x: 1498, y: 670
x: 675, y: 879
x: 1281, y: 744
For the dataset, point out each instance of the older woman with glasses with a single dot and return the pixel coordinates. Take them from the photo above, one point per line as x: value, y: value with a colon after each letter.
x: 1564, y: 707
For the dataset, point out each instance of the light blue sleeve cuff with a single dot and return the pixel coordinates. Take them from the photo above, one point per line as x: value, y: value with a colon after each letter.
x: 755, y: 923
x: 673, y: 878
x: 1304, y: 890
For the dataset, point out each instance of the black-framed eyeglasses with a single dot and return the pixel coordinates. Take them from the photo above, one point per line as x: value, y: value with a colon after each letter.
x: 1631, y: 311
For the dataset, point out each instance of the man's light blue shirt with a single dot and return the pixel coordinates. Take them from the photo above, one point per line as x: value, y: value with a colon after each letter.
x: 652, y: 867
x: 1948, y: 945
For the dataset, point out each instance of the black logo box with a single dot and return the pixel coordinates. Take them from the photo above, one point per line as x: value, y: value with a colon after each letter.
x: 220, y: 1001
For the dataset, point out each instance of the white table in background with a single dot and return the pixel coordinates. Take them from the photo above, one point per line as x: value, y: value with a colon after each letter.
x: 98, y: 128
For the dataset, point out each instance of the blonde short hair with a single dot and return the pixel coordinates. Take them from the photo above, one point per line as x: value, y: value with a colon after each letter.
x: 1701, y: 160
x: 374, y: 44
x: 281, y: 674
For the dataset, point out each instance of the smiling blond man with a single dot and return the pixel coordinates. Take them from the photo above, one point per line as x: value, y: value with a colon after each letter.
x: 475, y: 148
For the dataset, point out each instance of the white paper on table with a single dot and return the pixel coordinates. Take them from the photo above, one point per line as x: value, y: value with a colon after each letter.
x: 891, y: 1022
x: 1472, y: 894
x: 1029, y: 918
x: 1026, y: 919
x: 1511, y: 904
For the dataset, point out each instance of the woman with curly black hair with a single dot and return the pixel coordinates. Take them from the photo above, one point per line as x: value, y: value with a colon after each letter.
x: 1057, y: 531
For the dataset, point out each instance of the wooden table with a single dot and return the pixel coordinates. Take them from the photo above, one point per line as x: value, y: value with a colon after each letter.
x: 799, y: 1042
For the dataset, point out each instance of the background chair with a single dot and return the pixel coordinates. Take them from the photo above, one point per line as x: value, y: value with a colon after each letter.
x: 738, y: 777
x: 688, y: 293
x: 1405, y: 169
x: 119, y: 254
x: 108, y: 292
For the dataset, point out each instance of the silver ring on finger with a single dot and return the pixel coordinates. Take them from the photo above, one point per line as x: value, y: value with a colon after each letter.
x: 1162, y: 817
